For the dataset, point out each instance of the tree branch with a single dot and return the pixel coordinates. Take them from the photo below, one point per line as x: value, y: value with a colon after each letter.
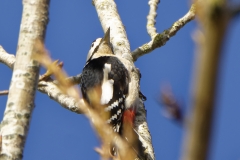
x: 5, y: 92
x: 160, y: 39
x: 121, y: 47
x: 6, y: 58
x: 213, y: 20
x: 108, y: 16
x: 20, y: 103
x: 151, y: 29
x: 48, y: 87
x: 52, y: 90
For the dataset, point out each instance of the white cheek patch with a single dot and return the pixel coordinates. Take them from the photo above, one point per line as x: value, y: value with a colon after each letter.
x: 93, y: 46
x: 107, y: 85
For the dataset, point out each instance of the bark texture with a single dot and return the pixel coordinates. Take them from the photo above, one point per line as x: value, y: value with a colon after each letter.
x: 20, y: 103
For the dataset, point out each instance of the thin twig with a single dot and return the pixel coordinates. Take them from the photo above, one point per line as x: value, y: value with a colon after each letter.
x: 75, y: 79
x: 5, y: 92
x: 151, y: 18
x: 160, y: 39
x: 6, y: 58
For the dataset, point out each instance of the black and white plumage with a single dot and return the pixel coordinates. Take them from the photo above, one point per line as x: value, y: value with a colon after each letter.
x: 105, y: 87
x: 104, y: 82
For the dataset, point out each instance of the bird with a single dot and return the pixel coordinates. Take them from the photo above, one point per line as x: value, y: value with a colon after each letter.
x: 104, y: 83
x: 105, y: 87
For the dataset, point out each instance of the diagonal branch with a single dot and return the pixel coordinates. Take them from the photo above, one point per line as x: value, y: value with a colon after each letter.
x: 160, y: 39
x: 151, y: 29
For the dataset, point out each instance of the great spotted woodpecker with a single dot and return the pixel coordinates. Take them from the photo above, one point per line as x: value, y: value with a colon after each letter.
x: 104, y: 83
x: 105, y: 87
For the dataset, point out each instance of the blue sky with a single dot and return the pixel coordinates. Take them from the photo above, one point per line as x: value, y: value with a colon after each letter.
x: 56, y: 133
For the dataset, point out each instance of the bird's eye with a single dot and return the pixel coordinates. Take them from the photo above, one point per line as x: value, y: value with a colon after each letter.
x: 93, y: 43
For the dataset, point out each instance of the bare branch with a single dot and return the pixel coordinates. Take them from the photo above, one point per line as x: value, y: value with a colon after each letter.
x: 49, y: 72
x: 213, y: 20
x: 6, y: 58
x: 161, y: 38
x: 52, y: 90
x: 5, y: 92
x: 48, y: 87
x: 9, y: 60
x: 151, y: 29
x: 75, y: 79
x: 24, y: 80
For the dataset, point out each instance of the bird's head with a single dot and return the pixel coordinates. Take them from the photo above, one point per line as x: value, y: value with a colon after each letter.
x: 100, y: 47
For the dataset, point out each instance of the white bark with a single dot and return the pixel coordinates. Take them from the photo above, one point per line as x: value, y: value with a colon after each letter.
x: 20, y: 103
x: 6, y: 58
x: 151, y: 18
x: 160, y: 39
